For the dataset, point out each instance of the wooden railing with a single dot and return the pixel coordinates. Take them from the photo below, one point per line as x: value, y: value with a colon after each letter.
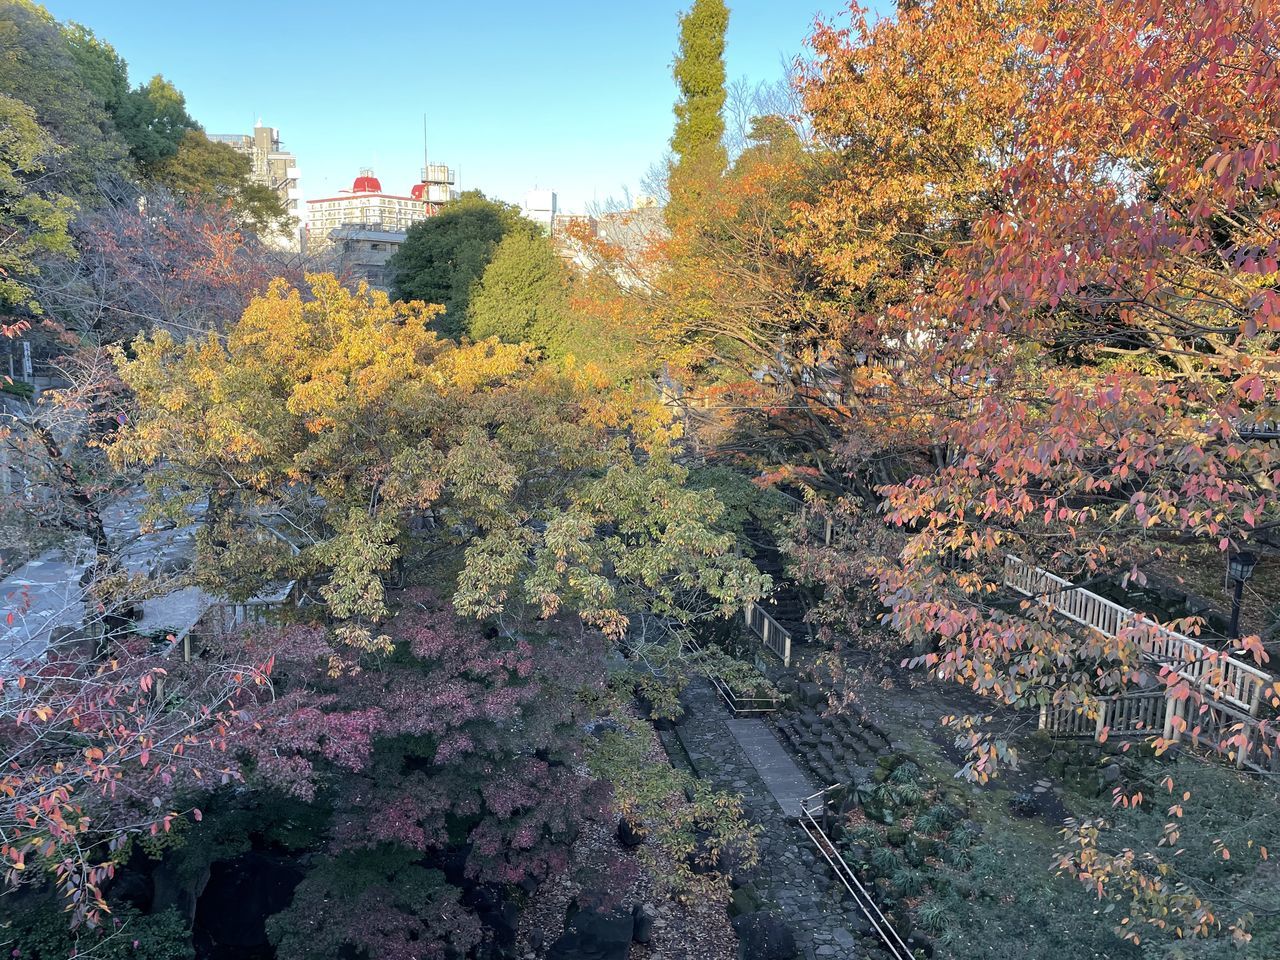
x: 1138, y: 714
x: 1264, y: 430
x: 772, y: 634
x: 1220, y: 675
x: 1224, y: 714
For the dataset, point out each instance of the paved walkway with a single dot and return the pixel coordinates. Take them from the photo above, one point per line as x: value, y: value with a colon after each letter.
x: 791, y: 880
x: 773, y: 764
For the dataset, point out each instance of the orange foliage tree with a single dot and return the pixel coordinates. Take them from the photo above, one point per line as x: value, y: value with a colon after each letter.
x: 1028, y: 292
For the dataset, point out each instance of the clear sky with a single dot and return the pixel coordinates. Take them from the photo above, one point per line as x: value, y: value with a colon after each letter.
x: 572, y: 95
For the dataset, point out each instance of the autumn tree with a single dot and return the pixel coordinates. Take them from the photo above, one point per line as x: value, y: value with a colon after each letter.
x: 449, y: 761
x: 150, y: 260
x: 102, y: 751
x: 341, y: 428
x: 1061, y: 340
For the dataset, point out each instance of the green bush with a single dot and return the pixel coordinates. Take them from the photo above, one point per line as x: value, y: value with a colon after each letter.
x: 17, y: 388
x: 908, y: 882
x: 43, y: 933
x: 884, y: 861
x: 933, y: 916
x: 905, y: 773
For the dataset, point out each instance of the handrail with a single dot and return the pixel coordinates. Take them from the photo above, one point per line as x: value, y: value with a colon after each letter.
x: 846, y: 874
x: 1228, y: 678
x: 772, y: 634
x: 738, y: 706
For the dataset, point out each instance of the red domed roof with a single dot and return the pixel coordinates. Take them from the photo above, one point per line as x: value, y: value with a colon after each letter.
x: 366, y: 183
x: 417, y: 191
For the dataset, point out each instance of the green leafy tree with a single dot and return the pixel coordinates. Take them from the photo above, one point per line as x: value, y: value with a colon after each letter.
x: 523, y: 296
x: 103, y: 70
x: 39, y: 67
x: 201, y: 167
x: 698, y: 141
x: 216, y: 172
x: 153, y: 121
x: 443, y: 258
x: 32, y: 222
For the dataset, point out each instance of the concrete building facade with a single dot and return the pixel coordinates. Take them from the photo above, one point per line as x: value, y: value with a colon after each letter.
x: 541, y: 206
x: 366, y: 205
x: 362, y: 254
x: 273, y: 166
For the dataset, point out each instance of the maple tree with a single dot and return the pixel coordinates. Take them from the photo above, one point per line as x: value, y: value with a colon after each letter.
x: 101, y: 751
x: 331, y: 426
x: 447, y: 760
x: 148, y: 260
x: 1021, y: 301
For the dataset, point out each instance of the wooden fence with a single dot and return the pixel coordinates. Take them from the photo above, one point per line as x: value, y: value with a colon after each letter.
x: 1224, y: 713
x: 772, y: 634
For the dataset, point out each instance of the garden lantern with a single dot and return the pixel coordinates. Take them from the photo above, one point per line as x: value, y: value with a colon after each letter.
x: 1240, y: 564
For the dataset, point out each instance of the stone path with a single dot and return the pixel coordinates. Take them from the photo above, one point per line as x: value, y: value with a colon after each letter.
x: 791, y: 879
x: 774, y: 766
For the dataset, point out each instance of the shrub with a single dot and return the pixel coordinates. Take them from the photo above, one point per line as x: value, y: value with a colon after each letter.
x: 884, y: 861
x: 908, y: 882
x: 906, y: 772
x: 933, y: 916
x: 42, y: 933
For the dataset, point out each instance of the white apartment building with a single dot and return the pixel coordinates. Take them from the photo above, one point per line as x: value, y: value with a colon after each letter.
x: 365, y: 205
x: 272, y: 166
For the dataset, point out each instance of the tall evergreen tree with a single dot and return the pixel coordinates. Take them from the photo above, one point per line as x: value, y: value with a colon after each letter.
x: 698, y: 141
x: 153, y: 120
x: 523, y: 295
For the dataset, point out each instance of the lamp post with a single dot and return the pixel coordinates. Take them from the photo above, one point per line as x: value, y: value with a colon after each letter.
x: 1240, y: 566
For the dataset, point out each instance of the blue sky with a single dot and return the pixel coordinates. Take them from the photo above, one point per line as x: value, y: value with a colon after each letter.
x: 574, y: 95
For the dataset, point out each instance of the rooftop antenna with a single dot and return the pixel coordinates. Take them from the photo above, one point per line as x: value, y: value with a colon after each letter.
x: 425, y: 162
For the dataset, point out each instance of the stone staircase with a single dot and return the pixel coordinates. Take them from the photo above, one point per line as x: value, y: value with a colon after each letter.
x: 833, y: 749
x: 789, y: 604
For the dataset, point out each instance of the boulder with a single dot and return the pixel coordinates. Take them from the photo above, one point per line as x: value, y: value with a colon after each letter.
x: 630, y: 834
x: 743, y: 902
x: 594, y: 934
x: 810, y: 694
x: 763, y: 936
x: 643, y: 916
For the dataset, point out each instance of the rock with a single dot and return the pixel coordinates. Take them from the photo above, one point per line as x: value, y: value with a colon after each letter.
x: 1111, y: 773
x: 643, y: 917
x: 602, y: 725
x: 763, y: 936
x: 629, y: 834
x: 810, y: 694
x: 233, y: 909
x: 591, y: 934
x: 920, y: 944
x: 743, y: 901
